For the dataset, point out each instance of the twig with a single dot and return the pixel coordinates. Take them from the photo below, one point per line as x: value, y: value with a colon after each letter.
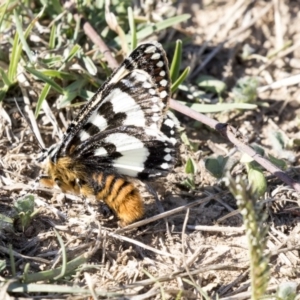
x: 229, y: 133
x: 16, y: 254
x: 216, y: 228
x: 291, y: 80
x: 140, y: 244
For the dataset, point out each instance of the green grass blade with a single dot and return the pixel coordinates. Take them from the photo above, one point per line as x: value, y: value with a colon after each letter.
x: 181, y: 79
x: 41, y: 99
x: 58, y: 74
x: 5, y: 77
x: 22, y: 37
x: 46, y: 79
x: 71, y: 266
x: 17, y: 49
x: 64, y: 256
x: 52, y: 37
x: 12, y: 260
x: 72, y: 53
x: 4, y: 11
x: 14, y: 60
x: 132, y: 28
x: 176, y: 61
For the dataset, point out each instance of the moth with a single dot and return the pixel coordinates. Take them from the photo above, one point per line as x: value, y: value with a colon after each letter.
x: 123, y: 132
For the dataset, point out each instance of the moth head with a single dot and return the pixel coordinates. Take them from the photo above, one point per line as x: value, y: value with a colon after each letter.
x: 48, y: 154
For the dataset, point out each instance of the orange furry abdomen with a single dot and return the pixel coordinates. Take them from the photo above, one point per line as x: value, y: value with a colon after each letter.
x: 118, y: 193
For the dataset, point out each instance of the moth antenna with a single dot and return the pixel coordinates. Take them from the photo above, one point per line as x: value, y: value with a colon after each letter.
x: 30, y: 126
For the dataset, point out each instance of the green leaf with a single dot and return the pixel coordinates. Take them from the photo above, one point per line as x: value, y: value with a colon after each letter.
x: 245, y: 90
x: 25, y: 207
x: 278, y: 140
x: 211, y: 84
x: 5, y: 78
x: 52, y: 37
x: 72, y: 53
x: 2, y: 265
x: 58, y: 74
x: 176, y: 61
x: 46, y: 79
x: 22, y: 38
x: 287, y: 291
x: 6, y: 224
x: 180, y: 80
x: 189, y: 182
x: 25, y: 204
x: 41, y: 99
x: 257, y: 179
x: 280, y: 163
x: 210, y: 108
x: 217, y: 166
x: 89, y: 65
x: 132, y: 28
x: 191, y: 166
x: 72, y: 91
x: 6, y: 3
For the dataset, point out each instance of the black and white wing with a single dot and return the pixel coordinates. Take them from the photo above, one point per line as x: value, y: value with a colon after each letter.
x: 120, y: 127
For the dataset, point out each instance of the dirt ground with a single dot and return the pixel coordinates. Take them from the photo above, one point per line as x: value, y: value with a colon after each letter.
x: 202, y: 246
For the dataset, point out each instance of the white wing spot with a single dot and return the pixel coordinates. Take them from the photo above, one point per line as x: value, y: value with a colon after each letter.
x: 155, y: 175
x: 163, y: 94
x: 169, y: 123
x: 150, y: 49
x: 155, y: 108
x: 155, y: 117
x: 151, y: 91
x: 140, y: 77
x: 173, y: 141
x: 162, y: 73
x: 147, y: 85
x: 168, y: 157
x: 163, y: 82
x: 98, y: 120
x: 100, y: 152
x: 165, y: 166
x: 160, y: 64
x: 128, y: 83
x: 155, y: 56
x: 83, y: 135
x: 167, y: 150
x: 155, y: 99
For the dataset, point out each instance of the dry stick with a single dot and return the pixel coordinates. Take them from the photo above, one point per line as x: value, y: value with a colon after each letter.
x: 230, y: 133
x: 225, y: 130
